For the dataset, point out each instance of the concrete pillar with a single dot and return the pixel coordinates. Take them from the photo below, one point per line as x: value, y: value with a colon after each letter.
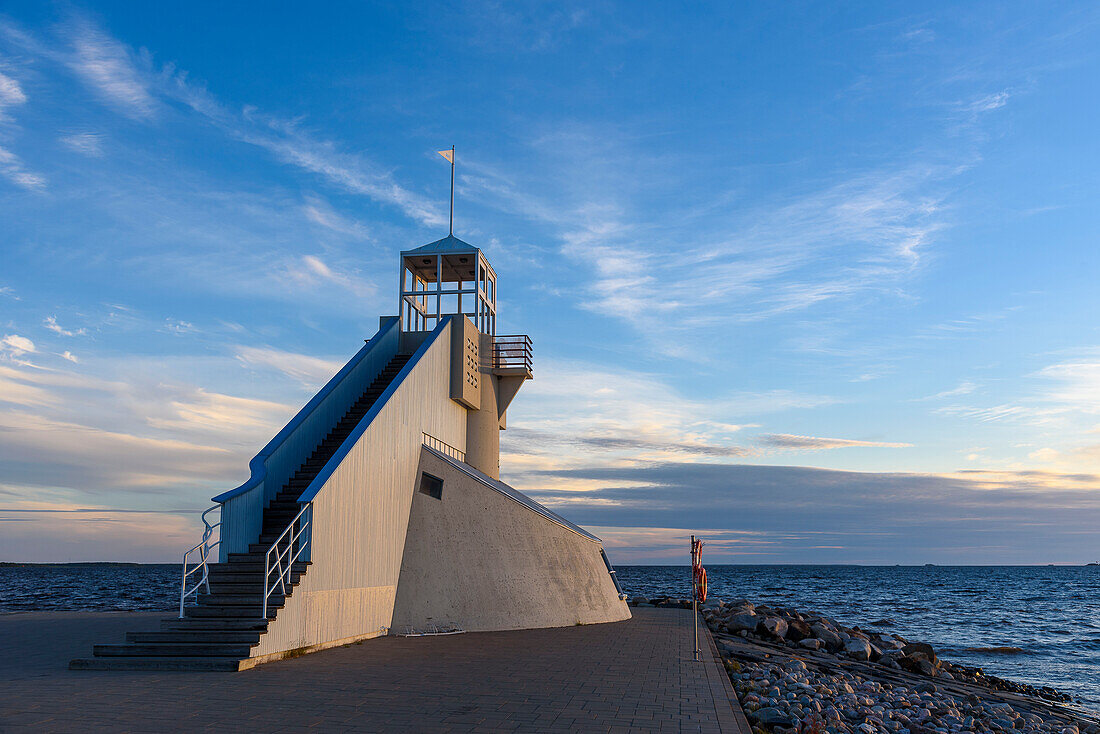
x: 483, y: 425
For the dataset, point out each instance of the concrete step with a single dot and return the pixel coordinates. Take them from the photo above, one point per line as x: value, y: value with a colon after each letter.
x: 157, y: 663
x: 237, y: 588
x: 244, y: 637
x: 240, y: 600
x: 240, y: 612
x: 173, y: 650
x: 223, y: 624
x: 252, y: 570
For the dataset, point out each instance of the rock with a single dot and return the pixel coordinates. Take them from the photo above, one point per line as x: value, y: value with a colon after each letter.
x: 926, y: 688
x: 744, y: 621
x: 924, y: 648
x: 772, y: 627
x: 811, y: 643
x: 772, y: 717
x: 828, y: 636
x: 857, y: 649
x: 798, y: 630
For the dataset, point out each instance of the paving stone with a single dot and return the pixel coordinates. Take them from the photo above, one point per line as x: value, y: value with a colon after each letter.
x: 638, y: 675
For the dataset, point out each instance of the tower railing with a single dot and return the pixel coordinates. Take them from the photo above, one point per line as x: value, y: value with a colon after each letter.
x: 512, y: 351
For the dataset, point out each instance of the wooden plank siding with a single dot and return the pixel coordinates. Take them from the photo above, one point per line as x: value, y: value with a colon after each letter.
x: 242, y: 508
x: 361, y: 512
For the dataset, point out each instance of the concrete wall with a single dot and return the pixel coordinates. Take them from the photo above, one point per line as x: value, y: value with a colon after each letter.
x: 483, y: 424
x: 361, y: 509
x: 480, y: 560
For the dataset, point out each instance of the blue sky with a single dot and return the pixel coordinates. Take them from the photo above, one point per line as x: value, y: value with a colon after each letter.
x: 815, y: 281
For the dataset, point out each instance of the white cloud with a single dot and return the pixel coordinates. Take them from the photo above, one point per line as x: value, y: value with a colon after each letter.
x: 964, y: 388
x: 11, y: 166
x: 11, y: 93
x: 312, y: 270
x: 813, y: 443
x: 52, y: 325
x: 321, y: 213
x: 311, y: 371
x: 89, y: 144
x: 17, y: 345
x: 108, y: 67
x: 67, y: 355
x: 989, y: 102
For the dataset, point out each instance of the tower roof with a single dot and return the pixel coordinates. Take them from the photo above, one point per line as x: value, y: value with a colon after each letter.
x: 448, y: 244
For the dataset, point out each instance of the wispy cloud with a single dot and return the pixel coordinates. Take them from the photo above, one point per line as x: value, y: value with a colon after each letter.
x: 11, y: 93
x: 311, y: 371
x: 89, y: 144
x: 12, y: 168
x: 52, y: 325
x: 1001, y: 517
x: 320, y: 212
x: 108, y: 67
x: 16, y: 346
x: 964, y: 388
x: 312, y: 270
x: 814, y: 443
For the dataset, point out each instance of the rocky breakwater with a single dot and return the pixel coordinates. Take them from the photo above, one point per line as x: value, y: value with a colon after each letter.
x: 804, y: 672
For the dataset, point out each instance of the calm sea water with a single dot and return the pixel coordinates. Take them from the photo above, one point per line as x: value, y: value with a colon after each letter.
x: 1052, y: 613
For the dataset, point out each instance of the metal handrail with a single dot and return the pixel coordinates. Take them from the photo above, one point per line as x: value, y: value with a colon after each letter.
x: 444, y: 448
x: 294, y: 537
x: 511, y: 351
x: 204, y: 549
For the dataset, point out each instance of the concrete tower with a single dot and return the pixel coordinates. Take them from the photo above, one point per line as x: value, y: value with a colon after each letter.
x: 379, y: 508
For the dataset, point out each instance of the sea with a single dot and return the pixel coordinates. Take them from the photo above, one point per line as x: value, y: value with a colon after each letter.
x: 1049, y: 614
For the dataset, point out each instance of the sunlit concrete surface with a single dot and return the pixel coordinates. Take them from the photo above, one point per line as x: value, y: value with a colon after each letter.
x: 635, y: 675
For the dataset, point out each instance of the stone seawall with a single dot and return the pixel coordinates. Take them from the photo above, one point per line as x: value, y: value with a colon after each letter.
x: 805, y: 672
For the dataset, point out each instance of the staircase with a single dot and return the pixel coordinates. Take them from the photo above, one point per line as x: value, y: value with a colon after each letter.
x: 220, y: 630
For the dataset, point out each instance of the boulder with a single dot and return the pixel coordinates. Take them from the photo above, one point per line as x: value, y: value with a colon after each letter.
x: 827, y: 635
x: 798, y: 630
x: 923, y: 648
x: 772, y: 717
x: 857, y: 649
x: 743, y: 621
x: 772, y: 627
x: 811, y: 643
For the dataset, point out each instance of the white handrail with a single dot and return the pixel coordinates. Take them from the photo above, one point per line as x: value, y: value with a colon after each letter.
x: 298, y: 536
x: 204, y: 549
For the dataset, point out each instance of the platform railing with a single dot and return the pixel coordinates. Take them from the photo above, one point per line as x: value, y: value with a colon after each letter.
x: 280, y: 560
x: 203, y: 563
x: 444, y: 448
x: 512, y: 351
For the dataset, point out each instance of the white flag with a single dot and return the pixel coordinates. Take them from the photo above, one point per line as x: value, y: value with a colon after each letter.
x: 448, y: 154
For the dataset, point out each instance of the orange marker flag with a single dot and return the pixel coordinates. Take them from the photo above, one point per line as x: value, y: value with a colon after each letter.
x: 448, y: 154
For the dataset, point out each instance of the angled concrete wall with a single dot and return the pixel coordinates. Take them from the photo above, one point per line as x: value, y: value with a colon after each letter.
x: 480, y: 560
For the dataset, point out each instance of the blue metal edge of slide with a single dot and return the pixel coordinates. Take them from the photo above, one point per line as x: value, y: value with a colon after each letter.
x: 319, y: 481
x: 257, y: 465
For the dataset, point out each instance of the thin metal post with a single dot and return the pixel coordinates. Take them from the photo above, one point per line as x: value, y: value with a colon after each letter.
x: 452, y: 225
x: 694, y: 599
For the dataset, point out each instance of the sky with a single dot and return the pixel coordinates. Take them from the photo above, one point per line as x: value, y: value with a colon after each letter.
x: 814, y: 281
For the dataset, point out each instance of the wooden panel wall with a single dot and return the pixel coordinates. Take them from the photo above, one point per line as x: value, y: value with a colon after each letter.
x: 361, y: 513
x: 242, y: 509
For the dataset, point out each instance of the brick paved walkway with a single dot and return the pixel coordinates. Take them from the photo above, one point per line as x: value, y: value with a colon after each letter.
x: 632, y: 676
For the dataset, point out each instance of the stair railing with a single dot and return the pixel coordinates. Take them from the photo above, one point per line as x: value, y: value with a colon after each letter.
x: 202, y: 564
x: 297, y: 540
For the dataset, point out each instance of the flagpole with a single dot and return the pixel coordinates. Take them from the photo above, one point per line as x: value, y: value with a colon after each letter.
x: 452, y: 227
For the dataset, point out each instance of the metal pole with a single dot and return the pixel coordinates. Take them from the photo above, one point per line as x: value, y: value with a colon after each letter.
x: 452, y: 227
x: 694, y: 599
